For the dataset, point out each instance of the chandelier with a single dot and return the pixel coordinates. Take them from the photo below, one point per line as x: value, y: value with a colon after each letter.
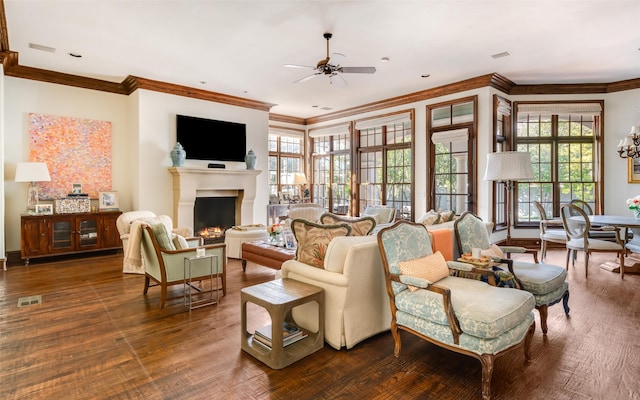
x: 629, y: 147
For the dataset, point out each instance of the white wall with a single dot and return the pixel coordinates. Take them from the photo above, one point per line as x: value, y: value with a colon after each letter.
x: 157, y: 136
x: 143, y: 134
x: 28, y: 96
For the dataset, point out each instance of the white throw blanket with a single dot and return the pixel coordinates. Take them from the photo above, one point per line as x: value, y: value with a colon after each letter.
x: 132, y: 254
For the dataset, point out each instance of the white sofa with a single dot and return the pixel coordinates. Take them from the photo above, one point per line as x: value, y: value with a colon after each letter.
x: 355, y: 297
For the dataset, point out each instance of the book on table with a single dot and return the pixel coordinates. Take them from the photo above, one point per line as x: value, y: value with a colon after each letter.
x: 290, y: 334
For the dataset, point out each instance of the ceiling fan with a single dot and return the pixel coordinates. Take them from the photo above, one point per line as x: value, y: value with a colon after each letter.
x: 330, y: 66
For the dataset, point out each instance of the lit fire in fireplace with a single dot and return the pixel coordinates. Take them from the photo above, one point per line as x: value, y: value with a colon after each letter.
x: 211, y: 232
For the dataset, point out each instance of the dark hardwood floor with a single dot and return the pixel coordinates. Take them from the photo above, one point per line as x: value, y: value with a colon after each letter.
x: 96, y: 336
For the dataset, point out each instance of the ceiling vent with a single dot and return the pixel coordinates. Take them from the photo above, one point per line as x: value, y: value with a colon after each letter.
x: 42, y: 47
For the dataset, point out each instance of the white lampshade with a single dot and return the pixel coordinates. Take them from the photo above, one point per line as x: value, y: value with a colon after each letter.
x: 299, y: 179
x: 32, y: 172
x: 508, y: 166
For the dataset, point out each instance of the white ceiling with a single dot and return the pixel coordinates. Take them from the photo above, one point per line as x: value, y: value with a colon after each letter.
x: 240, y: 47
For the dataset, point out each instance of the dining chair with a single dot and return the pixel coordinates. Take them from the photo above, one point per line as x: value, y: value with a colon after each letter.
x: 597, y: 234
x: 578, y: 229
x: 551, y: 230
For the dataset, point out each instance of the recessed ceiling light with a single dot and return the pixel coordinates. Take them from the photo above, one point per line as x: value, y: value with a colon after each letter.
x: 42, y: 47
x: 75, y: 55
x: 384, y: 59
x: 500, y: 55
x: 203, y: 82
x: 425, y: 75
x: 314, y: 106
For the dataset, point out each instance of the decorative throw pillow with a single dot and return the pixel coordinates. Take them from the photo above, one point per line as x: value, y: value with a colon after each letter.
x: 447, y: 215
x: 381, y: 214
x: 313, y: 240
x: 432, y: 268
x: 432, y: 217
x: 180, y: 242
x: 494, y: 252
x: 362, y: 226
x: 162, y: 237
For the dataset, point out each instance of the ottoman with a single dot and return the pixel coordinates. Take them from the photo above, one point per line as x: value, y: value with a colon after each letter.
x: 234, y: 238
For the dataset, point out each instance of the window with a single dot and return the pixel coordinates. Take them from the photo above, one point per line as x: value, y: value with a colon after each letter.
x: 451, y: 169
x: 286, y: 157
x: 565, y: 141
x: 331, y: 164
x: 385, y: 166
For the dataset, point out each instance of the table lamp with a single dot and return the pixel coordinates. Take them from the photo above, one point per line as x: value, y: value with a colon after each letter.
x: 508, y: 167
x: 32, y: 172
x: 301, y: 180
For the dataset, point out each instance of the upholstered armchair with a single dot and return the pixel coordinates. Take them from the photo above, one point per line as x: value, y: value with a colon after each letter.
x: 467, y: 316
x: 546, y: 282
x: 124, y: 224
x: 165, y: 264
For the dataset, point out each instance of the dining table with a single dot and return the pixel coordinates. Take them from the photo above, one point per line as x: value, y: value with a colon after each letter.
x: 626, y: 223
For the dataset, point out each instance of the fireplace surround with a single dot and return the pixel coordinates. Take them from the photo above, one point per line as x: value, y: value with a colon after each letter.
x: 190, y: 183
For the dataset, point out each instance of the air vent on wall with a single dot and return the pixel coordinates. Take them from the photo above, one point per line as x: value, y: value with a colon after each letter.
x: 42, y: 47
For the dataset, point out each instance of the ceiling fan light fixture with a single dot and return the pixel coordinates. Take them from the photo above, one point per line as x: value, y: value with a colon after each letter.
x: 331, y: 66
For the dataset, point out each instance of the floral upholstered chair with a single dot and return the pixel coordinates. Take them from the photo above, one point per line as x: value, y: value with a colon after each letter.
x: 547, y: 283
x: 463, y: 315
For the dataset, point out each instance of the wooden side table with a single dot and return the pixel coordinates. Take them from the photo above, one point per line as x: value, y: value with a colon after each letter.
x: 278, y: 297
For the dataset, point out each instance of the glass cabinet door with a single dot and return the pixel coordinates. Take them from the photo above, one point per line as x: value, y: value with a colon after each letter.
x: 87, y: 232
x: 62, y: 233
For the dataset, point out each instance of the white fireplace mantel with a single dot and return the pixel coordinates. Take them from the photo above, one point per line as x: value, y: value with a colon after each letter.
x: 190, y: 183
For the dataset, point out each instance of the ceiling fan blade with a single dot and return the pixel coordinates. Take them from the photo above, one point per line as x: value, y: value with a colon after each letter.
x: 299, y: 66
x: 337, y: 58
x: 337, y: 80
x: 357, y: 70
x: 306, y: 78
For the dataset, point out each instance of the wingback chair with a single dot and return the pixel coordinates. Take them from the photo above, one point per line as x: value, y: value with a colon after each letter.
x: 166, y: 266
x: 548, y: 283
x: 463, y: 315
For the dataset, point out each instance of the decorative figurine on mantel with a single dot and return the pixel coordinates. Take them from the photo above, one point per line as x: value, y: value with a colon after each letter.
x: 250, y: 159
x: 178, y: 155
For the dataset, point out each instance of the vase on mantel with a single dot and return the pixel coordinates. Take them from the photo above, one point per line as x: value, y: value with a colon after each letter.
x: 178, y: 155
x: 636, y: 214
x: 250, y: 159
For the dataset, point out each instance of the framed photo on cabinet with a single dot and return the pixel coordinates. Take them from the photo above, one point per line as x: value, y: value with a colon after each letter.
x: 108, y: 201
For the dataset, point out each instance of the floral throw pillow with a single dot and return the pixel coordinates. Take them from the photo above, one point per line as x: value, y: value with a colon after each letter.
x: 313, y: 240
x: 362, y: 226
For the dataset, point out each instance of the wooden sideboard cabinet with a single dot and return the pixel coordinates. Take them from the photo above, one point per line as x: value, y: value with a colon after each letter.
x: 57, y: 234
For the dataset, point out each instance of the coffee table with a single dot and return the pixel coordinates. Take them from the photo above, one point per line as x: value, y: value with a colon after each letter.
x: 265, y: 254
x: 278, y: 297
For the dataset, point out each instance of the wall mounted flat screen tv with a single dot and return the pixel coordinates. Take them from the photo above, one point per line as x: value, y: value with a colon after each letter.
x: 211, y: 140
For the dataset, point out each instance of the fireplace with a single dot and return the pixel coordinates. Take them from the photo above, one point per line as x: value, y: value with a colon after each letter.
x: 212, y: 216
x: 191, y: 184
